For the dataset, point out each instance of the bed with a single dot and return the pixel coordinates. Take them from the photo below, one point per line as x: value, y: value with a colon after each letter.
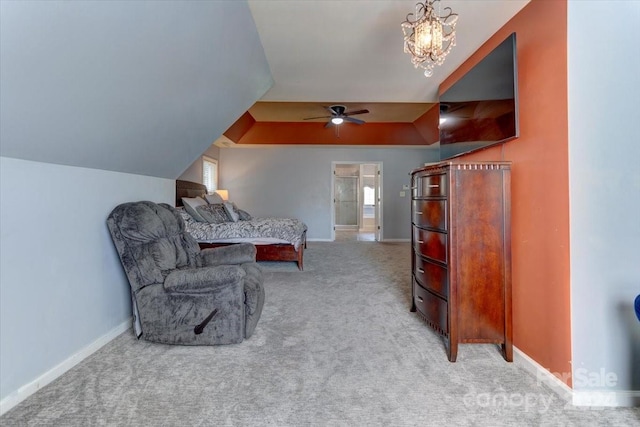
x: 276, y: 239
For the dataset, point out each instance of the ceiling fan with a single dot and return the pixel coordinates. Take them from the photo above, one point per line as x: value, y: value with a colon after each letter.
x: 340, y: 115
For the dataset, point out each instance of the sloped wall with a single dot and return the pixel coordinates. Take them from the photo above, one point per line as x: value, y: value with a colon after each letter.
x: 100, y: 103
x: 138, y: 87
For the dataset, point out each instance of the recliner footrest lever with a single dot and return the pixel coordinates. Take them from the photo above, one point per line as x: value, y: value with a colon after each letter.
x: 199, y: 328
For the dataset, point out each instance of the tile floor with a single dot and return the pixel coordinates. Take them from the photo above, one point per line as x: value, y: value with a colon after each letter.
x: 354, y: 236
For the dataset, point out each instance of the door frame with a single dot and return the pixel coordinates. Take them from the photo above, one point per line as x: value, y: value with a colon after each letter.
x: 379, y: 219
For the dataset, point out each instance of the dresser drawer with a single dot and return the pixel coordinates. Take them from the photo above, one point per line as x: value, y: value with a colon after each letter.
x: 432, y: 307
x: 430, y: 185
x: 430, y: 213
x: 432, y: 276
x: 431, y: 244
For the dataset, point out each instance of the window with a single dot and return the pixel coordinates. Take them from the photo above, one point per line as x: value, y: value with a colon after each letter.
x: 210, y: 173
x: 369, y: 196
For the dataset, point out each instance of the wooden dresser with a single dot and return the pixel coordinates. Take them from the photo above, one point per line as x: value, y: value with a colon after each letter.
x: 461, y: 252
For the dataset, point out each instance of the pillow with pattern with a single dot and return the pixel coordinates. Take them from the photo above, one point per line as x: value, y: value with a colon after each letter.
x: 214, y: 214
x: 184, y: 214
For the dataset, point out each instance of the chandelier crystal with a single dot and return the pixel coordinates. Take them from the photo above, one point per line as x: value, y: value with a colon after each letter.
x: 430, y: 36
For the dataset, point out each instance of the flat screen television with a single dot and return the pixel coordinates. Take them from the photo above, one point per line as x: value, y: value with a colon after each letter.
x: 481, y: 108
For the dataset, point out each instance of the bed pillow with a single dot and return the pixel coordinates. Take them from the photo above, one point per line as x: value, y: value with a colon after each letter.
x: 213, y: 199
x: 231, y: 211
x: 184, y: 214
x: 214, y: 214
x: 190, y: 205
x: 244, y: 215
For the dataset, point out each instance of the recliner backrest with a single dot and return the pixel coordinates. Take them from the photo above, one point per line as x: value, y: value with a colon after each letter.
x: 151, y: 241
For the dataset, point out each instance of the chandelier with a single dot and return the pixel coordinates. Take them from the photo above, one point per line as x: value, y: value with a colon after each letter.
x: 430, y: 37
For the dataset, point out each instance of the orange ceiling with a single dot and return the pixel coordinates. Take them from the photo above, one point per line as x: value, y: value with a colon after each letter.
x: 279, y: 123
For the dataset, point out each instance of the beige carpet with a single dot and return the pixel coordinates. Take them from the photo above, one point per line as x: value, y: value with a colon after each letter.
x: 336, y: 346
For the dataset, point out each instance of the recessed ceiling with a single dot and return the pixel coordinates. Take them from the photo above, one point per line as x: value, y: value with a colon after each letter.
x: 350, y: 53
x: 380, y: 112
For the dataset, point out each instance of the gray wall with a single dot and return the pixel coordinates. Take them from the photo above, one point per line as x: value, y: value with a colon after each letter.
x: 296, y: 182
x: 61, y: 283
x: 605, y: 190
x: 194, y: 172
x: 99, y: 103
x: 142, y: 87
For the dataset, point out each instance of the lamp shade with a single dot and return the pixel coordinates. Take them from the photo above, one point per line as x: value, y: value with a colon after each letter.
x: 224, y: 194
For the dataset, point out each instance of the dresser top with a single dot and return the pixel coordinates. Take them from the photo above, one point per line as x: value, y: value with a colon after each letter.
x: 462, y: 165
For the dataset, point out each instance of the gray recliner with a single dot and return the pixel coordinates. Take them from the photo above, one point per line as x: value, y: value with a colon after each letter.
x: 181, y: 294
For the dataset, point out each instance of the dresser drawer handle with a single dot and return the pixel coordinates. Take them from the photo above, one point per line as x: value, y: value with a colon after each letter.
x: 418, y: 213
x: 420, y: 271
x: 420, y: 241
x: 434, y: 185
x: 420, y: 298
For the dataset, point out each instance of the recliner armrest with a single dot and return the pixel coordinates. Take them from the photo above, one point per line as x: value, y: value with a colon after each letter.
x: 240, y: 253
x: 202, y: 280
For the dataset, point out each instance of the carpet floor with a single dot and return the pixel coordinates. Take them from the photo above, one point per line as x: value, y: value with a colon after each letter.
x: 336, y: 346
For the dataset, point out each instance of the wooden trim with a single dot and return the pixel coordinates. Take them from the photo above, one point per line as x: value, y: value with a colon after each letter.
x: 273, y: 252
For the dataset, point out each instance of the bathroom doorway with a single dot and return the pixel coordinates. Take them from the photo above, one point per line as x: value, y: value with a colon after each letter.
x: 357, y: 201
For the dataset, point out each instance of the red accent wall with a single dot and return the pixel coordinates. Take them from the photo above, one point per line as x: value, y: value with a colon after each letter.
x: 540, y: 183
x: 347, y: 134
x: 240, y: 127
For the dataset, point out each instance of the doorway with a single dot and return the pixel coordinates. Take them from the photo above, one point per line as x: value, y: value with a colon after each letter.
x: 357, y: 201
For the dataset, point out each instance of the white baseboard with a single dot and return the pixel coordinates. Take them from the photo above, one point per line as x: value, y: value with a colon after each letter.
x: 319, y: 240
x: 28, y: 389
x: 600, y: 399
x: 542, y: 375
x: 576, y: 398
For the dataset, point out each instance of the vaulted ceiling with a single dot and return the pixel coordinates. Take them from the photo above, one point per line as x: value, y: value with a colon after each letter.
x: 330, y: 52
x: 137, y: 87
x: 146, y: 87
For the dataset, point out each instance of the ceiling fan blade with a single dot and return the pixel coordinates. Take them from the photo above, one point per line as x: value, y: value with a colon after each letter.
x: 336, y: 110
x: 313, y: 118
x: 352, y: 120
x: 329, y: 124
x: 353, y: 113
x: 330, y: 109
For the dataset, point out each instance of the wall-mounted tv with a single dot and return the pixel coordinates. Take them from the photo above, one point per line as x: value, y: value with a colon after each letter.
x: 481, y: 108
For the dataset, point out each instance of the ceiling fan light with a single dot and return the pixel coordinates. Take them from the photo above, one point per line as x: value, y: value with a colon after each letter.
x: 337, y: 120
